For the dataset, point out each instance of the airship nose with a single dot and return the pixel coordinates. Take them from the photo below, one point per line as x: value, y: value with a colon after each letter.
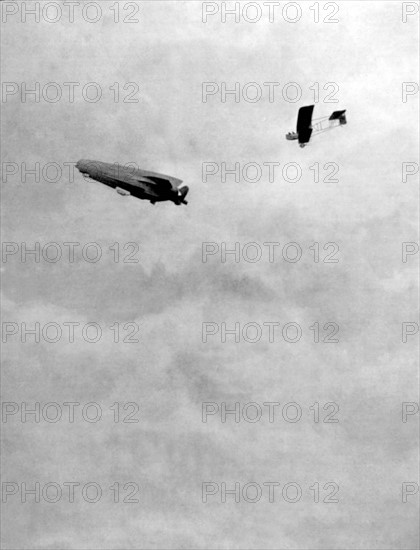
x: 90, y: 167
x: 82, y: 166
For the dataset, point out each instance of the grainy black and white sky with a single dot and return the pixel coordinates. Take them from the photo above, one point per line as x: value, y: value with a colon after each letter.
x: 170, y: 292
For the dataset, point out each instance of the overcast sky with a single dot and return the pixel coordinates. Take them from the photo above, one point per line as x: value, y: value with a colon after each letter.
x: 170, y: 292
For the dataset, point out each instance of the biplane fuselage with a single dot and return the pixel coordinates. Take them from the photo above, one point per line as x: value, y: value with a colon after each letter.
x: 306, y: 126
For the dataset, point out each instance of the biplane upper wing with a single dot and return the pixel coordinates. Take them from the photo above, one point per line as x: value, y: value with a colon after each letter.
x: 304, y: 122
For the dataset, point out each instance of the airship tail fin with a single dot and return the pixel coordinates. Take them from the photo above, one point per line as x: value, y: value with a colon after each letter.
x: 183, y: 191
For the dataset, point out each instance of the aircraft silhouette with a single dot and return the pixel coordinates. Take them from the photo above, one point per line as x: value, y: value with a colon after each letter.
x: 306, y: 125
x: 139, y: 183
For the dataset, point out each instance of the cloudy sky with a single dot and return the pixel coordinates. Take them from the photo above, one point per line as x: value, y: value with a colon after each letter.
x: 170, y: 292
